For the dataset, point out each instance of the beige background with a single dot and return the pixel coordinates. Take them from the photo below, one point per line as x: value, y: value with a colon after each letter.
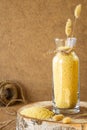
x: 27, y: 32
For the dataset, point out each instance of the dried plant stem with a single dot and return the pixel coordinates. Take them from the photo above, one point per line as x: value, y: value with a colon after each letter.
x: 74, y: 26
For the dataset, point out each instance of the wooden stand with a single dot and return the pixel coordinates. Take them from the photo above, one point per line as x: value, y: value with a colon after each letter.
x: 78, y: 121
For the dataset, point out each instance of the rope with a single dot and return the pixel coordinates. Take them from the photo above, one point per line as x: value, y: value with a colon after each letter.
x: 11, y: 92
x: 63, y: 51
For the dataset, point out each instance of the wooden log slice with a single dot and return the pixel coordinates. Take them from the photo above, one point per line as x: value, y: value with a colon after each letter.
x: 79, y: 122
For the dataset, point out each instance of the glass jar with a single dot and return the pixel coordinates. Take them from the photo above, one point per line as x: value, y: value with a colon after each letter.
x: 65, y: 69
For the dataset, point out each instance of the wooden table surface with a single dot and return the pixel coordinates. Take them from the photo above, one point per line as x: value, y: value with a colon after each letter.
x: 6, y: 118
x: 9, y: 119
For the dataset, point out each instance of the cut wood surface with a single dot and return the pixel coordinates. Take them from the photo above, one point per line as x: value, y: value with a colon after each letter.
x: 79, y: 121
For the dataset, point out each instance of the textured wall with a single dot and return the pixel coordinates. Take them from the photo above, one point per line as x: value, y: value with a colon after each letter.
x: 27, y: 32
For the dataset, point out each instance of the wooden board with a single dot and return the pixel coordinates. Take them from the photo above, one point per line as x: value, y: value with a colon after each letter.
x: 26, y: 123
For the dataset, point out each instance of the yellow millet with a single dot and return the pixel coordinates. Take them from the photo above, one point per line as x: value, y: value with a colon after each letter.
x: 58, y: 117
x: 37, y: 112
x: 67, y: 120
